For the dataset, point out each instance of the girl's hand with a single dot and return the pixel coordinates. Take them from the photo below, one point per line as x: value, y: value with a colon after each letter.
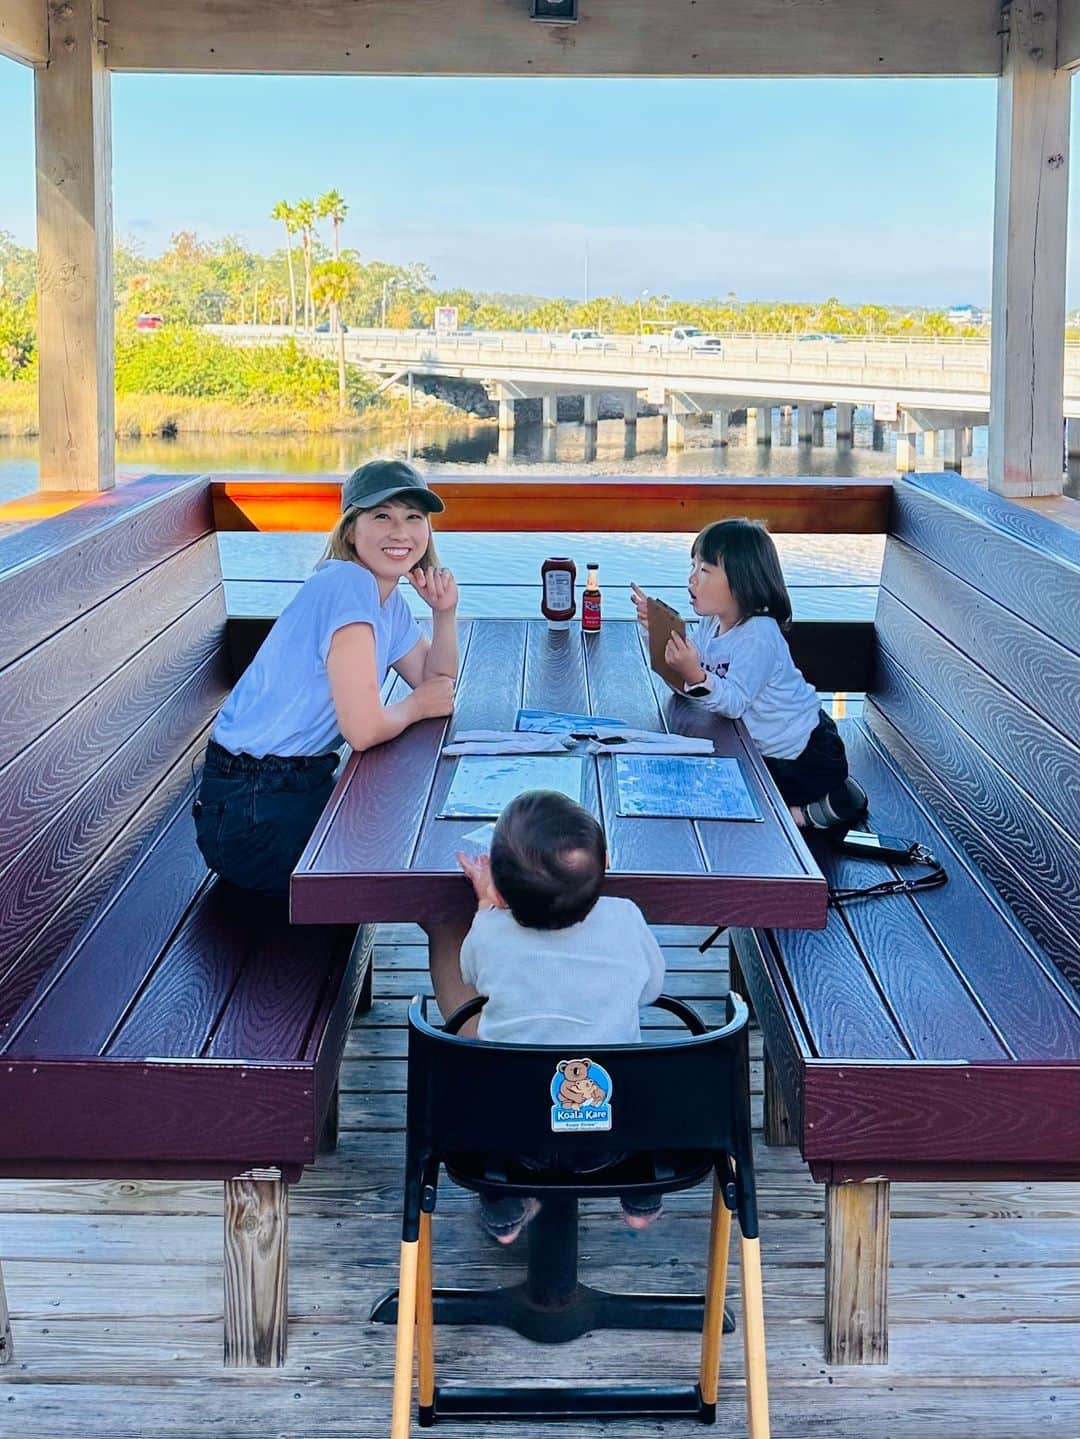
x: 478, y: 870
x: 683, y: 657
x: 436, y: 587
x: 641, y: 604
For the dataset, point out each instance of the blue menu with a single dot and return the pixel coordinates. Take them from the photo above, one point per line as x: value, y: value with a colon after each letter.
x: 483, y: 785
x: 555, y: 722
x: 683, y: 787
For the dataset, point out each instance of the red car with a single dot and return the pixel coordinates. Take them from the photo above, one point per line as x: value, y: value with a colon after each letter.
x: 149, y: 322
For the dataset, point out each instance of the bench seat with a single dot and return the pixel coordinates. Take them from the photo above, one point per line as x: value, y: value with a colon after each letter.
x: 154, y: 1022
x: 936, y: 1036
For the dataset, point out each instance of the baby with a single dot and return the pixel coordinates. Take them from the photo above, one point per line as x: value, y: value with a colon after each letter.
x: 559, y: 965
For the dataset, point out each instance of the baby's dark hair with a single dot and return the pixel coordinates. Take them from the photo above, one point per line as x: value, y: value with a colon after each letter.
x: 751, y: 565
x: 548, y: 859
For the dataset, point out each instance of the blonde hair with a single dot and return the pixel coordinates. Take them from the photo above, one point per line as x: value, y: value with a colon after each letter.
x: 339, y: 544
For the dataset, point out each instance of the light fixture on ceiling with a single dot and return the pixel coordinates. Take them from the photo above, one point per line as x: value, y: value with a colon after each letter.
x: 555, y: 12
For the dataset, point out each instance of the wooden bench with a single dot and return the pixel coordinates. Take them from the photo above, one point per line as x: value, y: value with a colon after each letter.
x: 153, y: 1022
x: 937, y: 1037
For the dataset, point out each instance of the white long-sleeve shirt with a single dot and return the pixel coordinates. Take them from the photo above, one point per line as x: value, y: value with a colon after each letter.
x: 751, y: 676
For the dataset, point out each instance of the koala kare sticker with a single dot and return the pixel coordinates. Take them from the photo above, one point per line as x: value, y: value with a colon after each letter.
x: 581, y: 1095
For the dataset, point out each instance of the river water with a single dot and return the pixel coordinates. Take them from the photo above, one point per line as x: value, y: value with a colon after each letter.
x: 263, y: 570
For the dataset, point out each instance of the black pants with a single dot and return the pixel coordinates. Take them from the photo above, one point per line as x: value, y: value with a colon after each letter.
x: 821, y: 768
x: 253, y: 816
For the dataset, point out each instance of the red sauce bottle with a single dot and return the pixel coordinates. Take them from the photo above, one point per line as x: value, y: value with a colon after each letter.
x: 590, y: 600
x: 557, y: 605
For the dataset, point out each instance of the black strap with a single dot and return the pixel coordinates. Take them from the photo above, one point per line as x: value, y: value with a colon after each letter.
x: 917, y: 854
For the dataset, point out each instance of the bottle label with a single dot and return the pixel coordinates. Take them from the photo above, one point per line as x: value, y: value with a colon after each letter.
x: 558, y: 591
x: 590, y: 610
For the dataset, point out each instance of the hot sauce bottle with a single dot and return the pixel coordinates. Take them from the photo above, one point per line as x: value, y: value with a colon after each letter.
x: 590, y: 600
x: 557, y: 577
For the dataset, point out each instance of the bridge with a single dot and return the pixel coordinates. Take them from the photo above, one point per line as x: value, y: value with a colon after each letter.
x: 923, y: 386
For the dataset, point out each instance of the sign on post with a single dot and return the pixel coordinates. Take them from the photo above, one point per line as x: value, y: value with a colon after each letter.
x: 656, y: 393
x: 446, y: 318
x: 885, y: 410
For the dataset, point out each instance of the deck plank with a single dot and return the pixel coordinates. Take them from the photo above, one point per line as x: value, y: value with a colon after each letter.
x: 116, y: 1295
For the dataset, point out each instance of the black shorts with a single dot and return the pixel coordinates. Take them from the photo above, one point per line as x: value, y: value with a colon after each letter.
x: 821, y: 768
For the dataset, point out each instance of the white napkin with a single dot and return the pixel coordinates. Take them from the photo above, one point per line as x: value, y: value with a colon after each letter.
x: 640, y: 741
x: 491, y: 741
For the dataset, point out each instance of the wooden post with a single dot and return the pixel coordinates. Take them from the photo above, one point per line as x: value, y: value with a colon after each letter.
x: 1031, y: 190
x: 7, y: 1350
x: 256, y: 1269
x: 75, y: 266
x: 856, y: 1273
x: 778, y: 1128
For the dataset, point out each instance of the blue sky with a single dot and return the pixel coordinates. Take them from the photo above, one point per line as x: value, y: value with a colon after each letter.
x: 869, y: 190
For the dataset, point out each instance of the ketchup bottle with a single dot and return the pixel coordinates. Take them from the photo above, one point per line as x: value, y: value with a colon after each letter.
x: 590, y: 600
x: 557, y: 604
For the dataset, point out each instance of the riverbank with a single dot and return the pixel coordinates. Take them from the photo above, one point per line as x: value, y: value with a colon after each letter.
x: 168, y: 416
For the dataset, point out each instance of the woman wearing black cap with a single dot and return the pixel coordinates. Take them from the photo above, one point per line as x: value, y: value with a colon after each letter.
x: 316, y: 680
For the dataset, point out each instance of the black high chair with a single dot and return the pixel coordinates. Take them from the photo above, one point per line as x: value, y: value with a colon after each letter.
x: 665, y: 1116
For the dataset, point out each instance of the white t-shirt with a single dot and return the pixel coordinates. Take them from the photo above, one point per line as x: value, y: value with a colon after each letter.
x: 282, y: 702
x: 751, y: 676
x: 577, y: 986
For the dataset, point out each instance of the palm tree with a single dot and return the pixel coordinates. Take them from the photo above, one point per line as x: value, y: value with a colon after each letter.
x: 284, y: 212
x: 331, y: 284
x: 332, y: 207
x: 304, y: 216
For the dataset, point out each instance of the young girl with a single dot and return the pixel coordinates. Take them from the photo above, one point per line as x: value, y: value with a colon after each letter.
x: 740, y: 666
x: 315, y: 681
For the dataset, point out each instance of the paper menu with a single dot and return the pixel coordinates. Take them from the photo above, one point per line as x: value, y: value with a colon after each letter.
x: 483, y: 785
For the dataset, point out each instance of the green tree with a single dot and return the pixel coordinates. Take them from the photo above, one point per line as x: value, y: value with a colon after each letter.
x: 283, y: 211
x: 330, y: 285
x: 332, y: 206
x: 304, y: 211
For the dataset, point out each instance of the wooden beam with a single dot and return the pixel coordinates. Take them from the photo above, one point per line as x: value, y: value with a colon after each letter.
x: 256, y: 1269
x: 614, y: 37
x: 857, y: 1273
x: 1027, y: 377
x: 24, y: 31
x: 75, y: 267
x: 624, y: 505
x: 1068, y: 51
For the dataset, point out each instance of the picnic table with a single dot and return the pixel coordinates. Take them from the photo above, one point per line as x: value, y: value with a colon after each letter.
x: 379, y: 853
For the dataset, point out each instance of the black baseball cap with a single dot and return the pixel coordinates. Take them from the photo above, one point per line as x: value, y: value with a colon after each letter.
x: 381, y: 480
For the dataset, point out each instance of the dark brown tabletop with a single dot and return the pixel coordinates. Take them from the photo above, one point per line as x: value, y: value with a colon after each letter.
x: 379, y: 853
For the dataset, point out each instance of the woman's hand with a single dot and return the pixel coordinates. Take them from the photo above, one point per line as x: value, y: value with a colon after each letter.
x: 641, y: 604
x: 478, y: 870
x: 682, y: 655
x: 433, y: 697
x: 436, y: 587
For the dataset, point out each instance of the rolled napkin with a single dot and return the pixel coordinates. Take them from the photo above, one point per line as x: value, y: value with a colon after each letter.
x: 492, y: 741
x: 640, y: 741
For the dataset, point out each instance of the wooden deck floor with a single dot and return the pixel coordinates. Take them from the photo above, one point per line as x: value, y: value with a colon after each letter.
x: 115, y: 1290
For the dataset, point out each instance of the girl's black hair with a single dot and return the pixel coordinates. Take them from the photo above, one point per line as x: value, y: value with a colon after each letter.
x: 751, y: 565
x: 548, y: 858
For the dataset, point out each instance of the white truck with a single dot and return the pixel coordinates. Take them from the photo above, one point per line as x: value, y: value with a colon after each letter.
x: 683, y: 339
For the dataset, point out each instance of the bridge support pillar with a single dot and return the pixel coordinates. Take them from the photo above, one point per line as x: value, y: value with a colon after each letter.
x: 784, y: 437
x: 591, y: 407
x: 763, y: 422
x: 845, y: 425
x: 506, y: 412
x: 878, y: 441
x: 720, y: 419
x: 806, y: 423
x: 931, y: 441
x: 818, y: 430
x: 630, y: 407
x: 675, y: 426
x: 1072, y: 439
x: 549, y: 411
x: 955, y: 460
x: 905, y: 452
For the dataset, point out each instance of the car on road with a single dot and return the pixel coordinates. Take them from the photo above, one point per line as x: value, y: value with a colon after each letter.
x: 149, y: 322
x: 685, y: 339
x: 324, y: 328
x: 587, y: 339
x: 823, y: 339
